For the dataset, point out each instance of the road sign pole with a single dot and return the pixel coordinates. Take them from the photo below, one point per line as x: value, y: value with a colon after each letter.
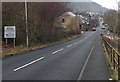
x: 6, y: 41
x: 14, y: 42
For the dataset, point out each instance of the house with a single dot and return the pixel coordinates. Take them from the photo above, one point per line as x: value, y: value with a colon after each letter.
x: 70, y: 22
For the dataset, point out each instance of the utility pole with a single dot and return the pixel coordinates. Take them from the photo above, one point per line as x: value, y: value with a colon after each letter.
x: 26, y: 15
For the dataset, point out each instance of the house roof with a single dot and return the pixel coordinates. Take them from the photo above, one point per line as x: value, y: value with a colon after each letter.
x: 69, y: 14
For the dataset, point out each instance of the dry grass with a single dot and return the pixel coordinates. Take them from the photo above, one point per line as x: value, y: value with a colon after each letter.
x: 19, y: 49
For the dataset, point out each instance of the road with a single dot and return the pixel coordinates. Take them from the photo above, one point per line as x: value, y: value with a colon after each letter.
x: 78, y: 59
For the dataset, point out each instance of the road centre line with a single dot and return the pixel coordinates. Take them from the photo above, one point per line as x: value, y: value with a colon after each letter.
x: 83, y: 39
x: 83, y: 69
x: 75, y: 43
x: 28, y: 64
x: 57, y: 51
x: 69, y: 45
x: 86, y: 38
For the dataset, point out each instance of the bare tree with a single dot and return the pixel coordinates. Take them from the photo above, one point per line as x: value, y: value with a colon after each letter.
x: 13, y: 14
x: 47, y: 13
x: 110, y: 18
x: 42, y: 17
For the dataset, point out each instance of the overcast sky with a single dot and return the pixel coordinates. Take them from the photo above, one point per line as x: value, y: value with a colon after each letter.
x: 112, y: 4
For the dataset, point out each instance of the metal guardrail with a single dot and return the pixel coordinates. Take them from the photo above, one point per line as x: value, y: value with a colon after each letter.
x: 114, y: 56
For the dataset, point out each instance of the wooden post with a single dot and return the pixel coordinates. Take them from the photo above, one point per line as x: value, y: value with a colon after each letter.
x: 118, y: 67
x: 111, y: 54
x: 114, y: 59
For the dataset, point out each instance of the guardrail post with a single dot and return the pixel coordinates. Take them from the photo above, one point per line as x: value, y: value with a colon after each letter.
x: 113, y: 58
x: 111, y: 55
x: 118, y: 67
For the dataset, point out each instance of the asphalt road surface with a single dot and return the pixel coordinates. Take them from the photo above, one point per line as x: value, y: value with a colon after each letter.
x: 78, y: 59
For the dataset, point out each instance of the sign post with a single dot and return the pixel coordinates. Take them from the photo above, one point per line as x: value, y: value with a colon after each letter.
x: 14, y: 41
x: 10, y: 32
x: 6, y: 41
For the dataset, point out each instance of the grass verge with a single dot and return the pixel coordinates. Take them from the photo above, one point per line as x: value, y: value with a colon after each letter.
x: 112, y: 72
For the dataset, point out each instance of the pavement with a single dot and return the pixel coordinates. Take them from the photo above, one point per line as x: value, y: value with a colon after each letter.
x: 78, y: 59
x: 96, y: 61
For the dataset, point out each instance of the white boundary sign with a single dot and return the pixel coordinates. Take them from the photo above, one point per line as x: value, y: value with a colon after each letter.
x: 9, y: 32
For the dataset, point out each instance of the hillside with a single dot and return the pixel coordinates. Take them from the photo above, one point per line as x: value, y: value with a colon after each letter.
x: 87, y: 6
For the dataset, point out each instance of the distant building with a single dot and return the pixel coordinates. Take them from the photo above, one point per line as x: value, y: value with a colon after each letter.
x: 71, y: 22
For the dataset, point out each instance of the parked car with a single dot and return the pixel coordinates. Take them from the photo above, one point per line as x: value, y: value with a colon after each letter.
x: 103, y: 27
x: 93, y: 29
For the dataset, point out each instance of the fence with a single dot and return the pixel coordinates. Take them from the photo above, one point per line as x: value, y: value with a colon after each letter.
x: 114, y: 56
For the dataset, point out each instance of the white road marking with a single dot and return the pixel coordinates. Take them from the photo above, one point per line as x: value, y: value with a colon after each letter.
x: 75, y: 43
x: 28, y: 64
x: 69, y: 45
x: 83, y: 69
x: 94, y: 32
x: 81, y: 40
x: 57, y: 51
